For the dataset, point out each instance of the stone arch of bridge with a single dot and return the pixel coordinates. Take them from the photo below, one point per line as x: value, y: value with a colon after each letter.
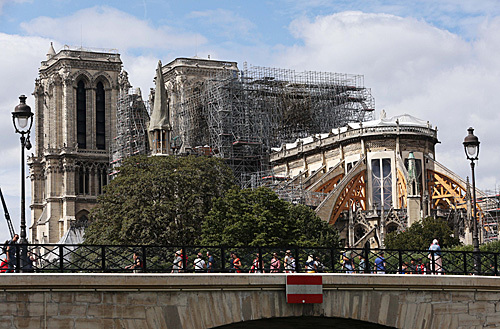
x: 303, y: 322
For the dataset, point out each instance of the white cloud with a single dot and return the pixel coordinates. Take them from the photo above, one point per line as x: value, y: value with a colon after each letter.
x: 19, y: 61
x: 413, y: 67
x: 103, y: 26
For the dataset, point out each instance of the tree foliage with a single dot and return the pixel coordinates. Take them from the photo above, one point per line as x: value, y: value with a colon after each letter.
x: 493, y: 246
x: 245, y: 217
x: 419, y: 236
x: 158, y: 200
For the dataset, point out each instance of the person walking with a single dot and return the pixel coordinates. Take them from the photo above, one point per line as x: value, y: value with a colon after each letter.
x: 210, y: 262
x: 231, y: 262
x: 255, y: 264
x: 347, y: 260
x: 435, y: 254
x: 361, y: 264
x: 380, y: 264
x: 11, y: 253
x: 177, y: 264
x: 310, y: 265
x: 199, y: 263
x: 289, y: 262
x: 275, y: 264
x: 136, y: 263
x: 236, y: 263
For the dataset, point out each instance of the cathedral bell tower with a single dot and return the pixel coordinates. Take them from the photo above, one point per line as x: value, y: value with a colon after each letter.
x: 76, y: 94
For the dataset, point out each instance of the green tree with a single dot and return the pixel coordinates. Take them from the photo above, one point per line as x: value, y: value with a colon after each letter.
x: 245, y: 217
x: 420, y: 235
x: 158, y: 200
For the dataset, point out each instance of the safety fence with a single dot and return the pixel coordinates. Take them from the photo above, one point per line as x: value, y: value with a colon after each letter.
x: 65, y: 258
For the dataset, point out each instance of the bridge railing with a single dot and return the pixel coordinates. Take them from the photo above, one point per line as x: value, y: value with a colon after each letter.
x: 67, y: 258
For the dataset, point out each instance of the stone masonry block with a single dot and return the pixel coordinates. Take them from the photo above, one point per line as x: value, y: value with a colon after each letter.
x: 467, y: 320
x: 28, y: 322
x: 8, y: 309
x: 62, y: 297
x: 493, y: 319
x: 102, y: 311
x: 481, y: 308
x: 446, y: 308
x: 88, y: 297
x: 86, y: 323
x: 491, y: 296
x: 17, y: 296
x: 132, y: 324
x: 116, y: 298
x: 142, y: 298
x: 462, y: 296
x: 72, y: 310
x: 155, y: 317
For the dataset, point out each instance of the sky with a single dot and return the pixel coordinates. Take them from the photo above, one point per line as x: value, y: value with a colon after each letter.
x: 437, y: 60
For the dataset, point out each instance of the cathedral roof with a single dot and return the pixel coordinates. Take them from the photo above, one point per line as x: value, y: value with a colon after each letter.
x: 398, y: 120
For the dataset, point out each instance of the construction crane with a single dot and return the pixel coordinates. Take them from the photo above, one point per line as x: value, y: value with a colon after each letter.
x: 7, y: 216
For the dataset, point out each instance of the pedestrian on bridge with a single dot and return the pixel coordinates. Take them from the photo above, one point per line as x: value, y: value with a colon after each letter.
x: 177, y: 264
x: 275, y: 264
x: 289, y: 262
x: 380, y: 264
x: 210, y: 262
x: 435, y: 254
x: 236, y: 263
x: 11, y: 253
x: 199, y: 263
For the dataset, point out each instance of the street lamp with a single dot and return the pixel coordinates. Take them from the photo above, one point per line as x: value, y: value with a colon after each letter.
x: 471, y: 147
x: 22, y: 117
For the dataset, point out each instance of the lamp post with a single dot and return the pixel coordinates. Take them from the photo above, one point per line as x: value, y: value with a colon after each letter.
x: 471, y: 147
x: 22, y: 117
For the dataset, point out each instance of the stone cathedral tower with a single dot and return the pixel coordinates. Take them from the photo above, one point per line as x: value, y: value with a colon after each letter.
x: 75, y: 120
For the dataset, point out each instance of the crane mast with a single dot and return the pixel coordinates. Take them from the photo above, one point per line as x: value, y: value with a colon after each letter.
x: 7, y: 216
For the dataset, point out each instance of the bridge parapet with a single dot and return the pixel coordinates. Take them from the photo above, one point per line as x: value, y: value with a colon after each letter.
x: 211, y: 300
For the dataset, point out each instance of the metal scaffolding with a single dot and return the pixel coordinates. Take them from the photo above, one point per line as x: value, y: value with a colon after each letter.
x: 240, y: 115
x: 131, y: 135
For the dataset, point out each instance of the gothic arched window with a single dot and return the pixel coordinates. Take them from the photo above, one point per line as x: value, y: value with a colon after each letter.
x: 382, y: 183
x: 100, y: 117
x: 81, y: 115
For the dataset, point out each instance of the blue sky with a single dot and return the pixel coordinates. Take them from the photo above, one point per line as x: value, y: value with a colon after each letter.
x: 435, y: 59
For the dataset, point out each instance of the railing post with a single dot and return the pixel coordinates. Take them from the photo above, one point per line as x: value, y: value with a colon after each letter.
x: 144, y: 257
x: 332, y: 256
x: 297, y: 263
x: 103, y: 258
x: 18, y: 258
x: 184, y: 259
x: 433, y: 262
x: 61, y: 258
x: 261, y: 262
x: 464, y: 254
x: 222, y: 260
x: 400, y: 260
x: 496, y: 263
x: 367, y: 257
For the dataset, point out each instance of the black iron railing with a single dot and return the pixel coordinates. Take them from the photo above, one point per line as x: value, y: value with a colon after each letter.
x: 47, y: 258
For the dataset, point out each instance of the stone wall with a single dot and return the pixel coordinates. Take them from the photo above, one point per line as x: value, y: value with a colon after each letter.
x: 207, y: 301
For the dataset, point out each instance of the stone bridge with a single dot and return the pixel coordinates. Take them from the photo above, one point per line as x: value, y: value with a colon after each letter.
x: 191, y: 301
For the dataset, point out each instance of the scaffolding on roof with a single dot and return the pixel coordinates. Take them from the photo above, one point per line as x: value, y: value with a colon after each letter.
x: 241, y: 115
x: 131, y: 135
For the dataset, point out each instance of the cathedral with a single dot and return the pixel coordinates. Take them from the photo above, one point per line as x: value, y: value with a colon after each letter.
x: 311, y: 136
x: 75, y: 121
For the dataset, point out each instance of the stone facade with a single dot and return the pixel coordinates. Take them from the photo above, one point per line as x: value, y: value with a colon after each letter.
x: 75, y: 121
x: 185, y: 79
x: 207, y: 301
